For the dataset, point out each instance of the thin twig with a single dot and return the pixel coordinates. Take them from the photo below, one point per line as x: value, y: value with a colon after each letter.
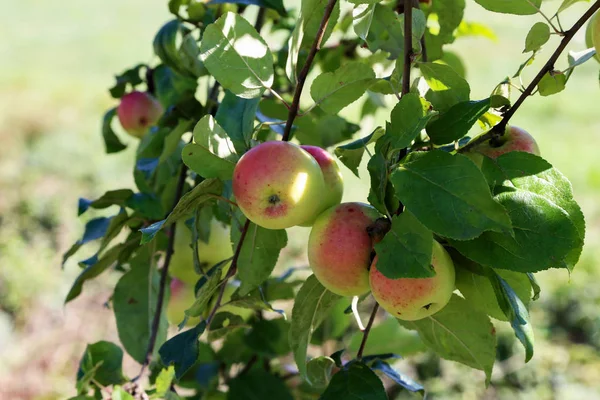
x: 499, y: 129
x: 306, y: 68
x: 363, y: 343
x: 230, y: 273
x: 539, y: 10
x: 260, y: 19
x: 164, y: 274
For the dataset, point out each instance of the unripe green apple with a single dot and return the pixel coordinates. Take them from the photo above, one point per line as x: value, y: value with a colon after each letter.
x: 411, y: 299
x: 137, y: 112
x: 278, y: 185
x: 182, y: 298
x: 514, y: 139
x: 592, y: 35
x: 339, y: 248
x: 216, y: 250
x: 334, y: 182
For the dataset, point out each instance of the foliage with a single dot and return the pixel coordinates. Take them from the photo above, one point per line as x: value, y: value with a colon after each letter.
x: 514, y: 214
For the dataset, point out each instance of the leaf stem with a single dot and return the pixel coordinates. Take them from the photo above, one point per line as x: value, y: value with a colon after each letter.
x: 408, y: 50
x: 499, y: 129
x: 363, y: 343
x: 306, y: 68
x: 539, y: 10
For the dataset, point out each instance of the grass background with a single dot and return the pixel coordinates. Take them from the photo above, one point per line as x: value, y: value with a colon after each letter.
x: 59, y: 58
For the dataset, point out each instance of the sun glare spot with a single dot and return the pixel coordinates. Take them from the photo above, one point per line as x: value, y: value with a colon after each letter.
x: 298, y: 186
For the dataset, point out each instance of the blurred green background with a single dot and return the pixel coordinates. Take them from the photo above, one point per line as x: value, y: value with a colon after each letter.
x: 59, y: 58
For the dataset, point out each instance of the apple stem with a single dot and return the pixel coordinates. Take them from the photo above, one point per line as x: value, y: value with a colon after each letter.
x: 305, y: 69
x: 367, y: 330
x: 499, y: 129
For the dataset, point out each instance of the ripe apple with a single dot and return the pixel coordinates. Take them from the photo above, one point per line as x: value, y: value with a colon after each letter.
x: 216, y: 250
x: 182, y: 298
x: 339, y: 248
x: 334, y: 183
x: 278, y: 185
x: 137, y: 112
x: 592, y: 35
x: 410, y: 299
x: 515, y: 139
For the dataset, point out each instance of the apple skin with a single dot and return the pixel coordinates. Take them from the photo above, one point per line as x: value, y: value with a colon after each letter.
x: 216, y: 250
x: 515, y: 139
x: 137, y: 112
x: 278, y: 185
x: 334, y: 182
x: 592, y: 35
x: 339, y: 248
x: 182, y: 298
x: 411, y: 299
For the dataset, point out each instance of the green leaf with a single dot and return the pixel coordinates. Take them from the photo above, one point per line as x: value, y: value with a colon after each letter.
x: 543, y: 236
x: 450, y: 15
x: 351, y: 154
x: 188, y: 203
x: 398, y: 378
x: 318, y: 371
x: 552, y: 83
x: 134, y: 303
x: 199, y: 158
x: 182, y: 350
x: 223, y: 323
x: 269, y: 338
x: 515, y: 310
x: 362, y: 17
x: 276, y: 5
x: 459, y: 333
x: 405, y: 251
x: 258, y: 256
x: 237, y: 56
x: 356, y: 381
x: 206, y: 288
x: 538, y: 35
x: 311, y: 306
x: 568, y: 3
x: 110, y: 198
x: 112, y: 143
x: 576, y: 58
x: 236, y: 116
x: 173, y: 88
x: 456, y: 122
x: 476, y: 288
x: 535, y: 183
x: 517, y: 7
x: 455, y: 188
x: 386, y: 32
x: 333, y: 91
x: 119, y: 393
x: 104, y: 360
x: 378, y: 171
x: 166, y: 43
x: 408, y: 119
x: 164, y: 381
x: 447, y: 88
x: 305, y: 32
x: 258, y: 384
x: 95, y: 269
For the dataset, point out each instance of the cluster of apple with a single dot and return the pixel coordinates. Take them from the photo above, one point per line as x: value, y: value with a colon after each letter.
x: 279, y: 184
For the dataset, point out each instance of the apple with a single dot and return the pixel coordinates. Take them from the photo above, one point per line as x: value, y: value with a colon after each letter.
x: 592, y: 35
x: 278, y: 185
x: 137, y: 112
x: 339, y: 248
x: 216, y: 250
x: 514, y: 139
x: 182, y: 298
x: 334, y: 183
x: 411, y: 299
